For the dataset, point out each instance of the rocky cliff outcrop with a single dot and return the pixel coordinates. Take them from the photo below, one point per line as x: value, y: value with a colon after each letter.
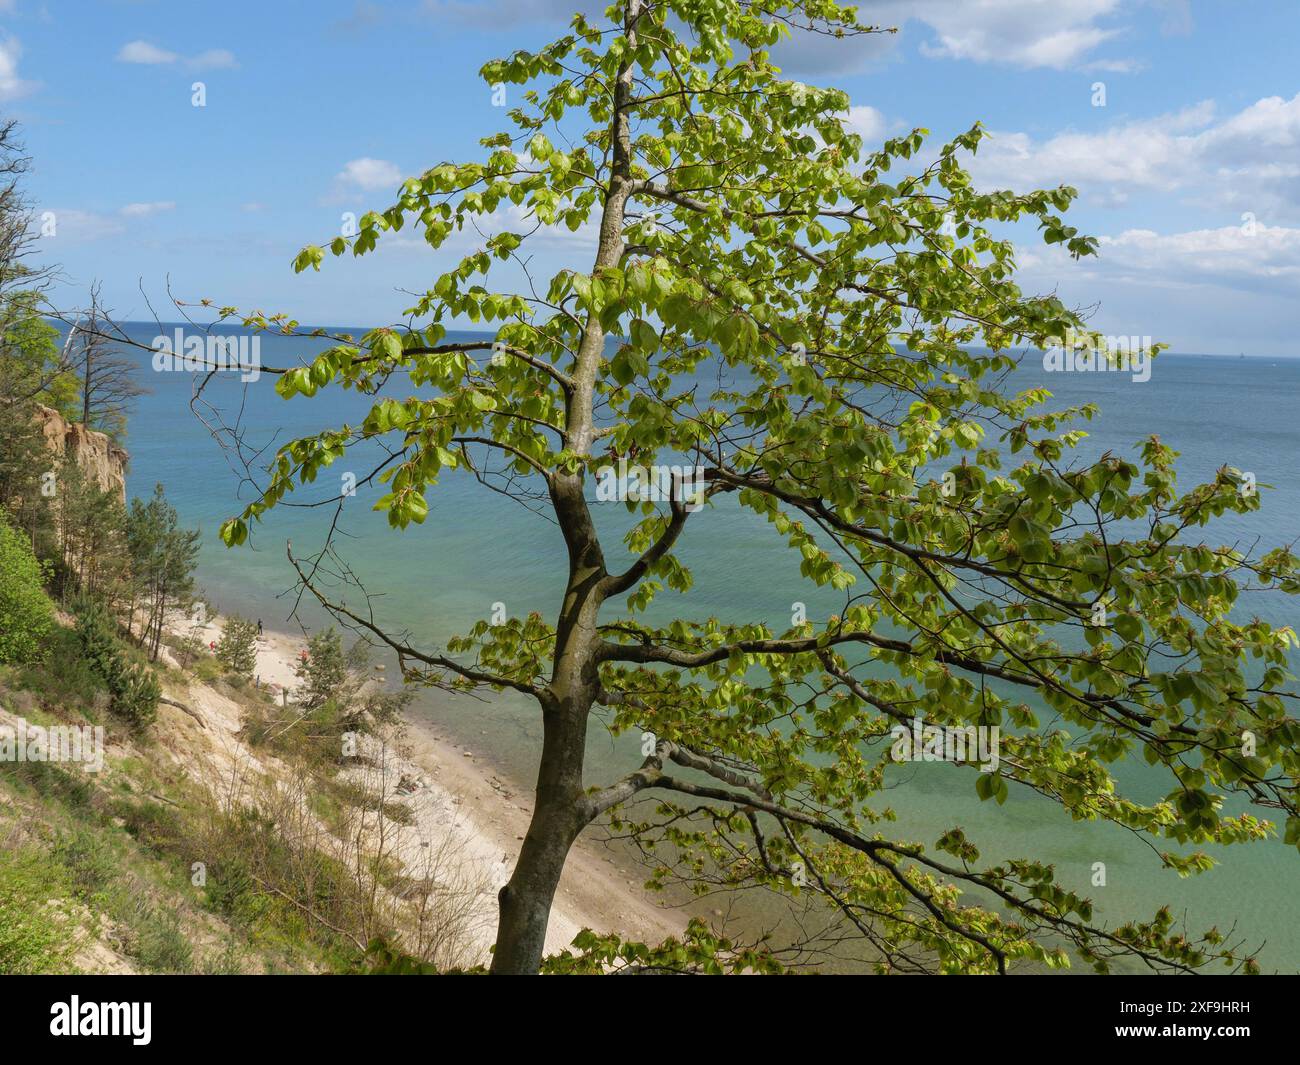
x: 101, y: 460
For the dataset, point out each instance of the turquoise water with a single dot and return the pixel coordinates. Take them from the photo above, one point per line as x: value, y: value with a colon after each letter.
x: 478, y: 548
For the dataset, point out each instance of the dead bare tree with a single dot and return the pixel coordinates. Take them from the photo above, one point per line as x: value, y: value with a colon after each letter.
x: 109, y: 378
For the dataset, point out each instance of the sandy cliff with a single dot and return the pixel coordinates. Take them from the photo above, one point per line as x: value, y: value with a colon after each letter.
x: 101, y: 460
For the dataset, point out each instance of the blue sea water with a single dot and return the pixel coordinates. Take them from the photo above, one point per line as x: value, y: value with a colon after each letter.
x: 478, y: 548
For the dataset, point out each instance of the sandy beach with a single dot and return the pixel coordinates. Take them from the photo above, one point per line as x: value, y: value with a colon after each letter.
x: 463, y: 804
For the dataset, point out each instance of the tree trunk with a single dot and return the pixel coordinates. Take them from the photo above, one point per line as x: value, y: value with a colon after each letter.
x: 86, y: 385
x: 525, y: 902
x: 562, y: 810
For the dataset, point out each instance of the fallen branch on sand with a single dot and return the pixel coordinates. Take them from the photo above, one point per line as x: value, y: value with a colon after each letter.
x: 182, y: 706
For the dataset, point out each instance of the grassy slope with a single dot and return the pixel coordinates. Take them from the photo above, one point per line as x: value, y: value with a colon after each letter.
x: 94, y: 870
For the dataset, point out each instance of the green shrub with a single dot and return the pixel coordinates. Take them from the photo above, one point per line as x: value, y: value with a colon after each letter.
x: 91, y: 863
x: 26, y: 613
x: 97, y: 634
x: 64, y: 679
x: 133, y: 688
x: 228, y: 963
x: 50, y: 780
x: 153, y: 824
x: 136, y: 695
x: 207, y: 669
x: 161, y: 946
x: 33, y: 925
x: 228, y: 882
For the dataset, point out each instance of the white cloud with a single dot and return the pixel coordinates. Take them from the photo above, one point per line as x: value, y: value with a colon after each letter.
x: 1206, y: 290
x: 214, y: 59
x: 143, y: 210
x: 1247, y: 161
x: 369, y: 174
x: 1229, y: 255
x: 1060, y: 34
x: 1143, y: 154
x: 76, y: 227
x: 1178, y: 21
x: 145, y: 53
x: 11, y: 85
x: 866, y: 122
x: 1029, y: 33
x: 142, y: 52
x: 1251, y: 257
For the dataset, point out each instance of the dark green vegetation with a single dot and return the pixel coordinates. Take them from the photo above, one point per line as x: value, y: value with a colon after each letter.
x: 132, y: 688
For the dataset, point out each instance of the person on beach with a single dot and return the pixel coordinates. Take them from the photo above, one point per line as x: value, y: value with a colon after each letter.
x: 259, y: 628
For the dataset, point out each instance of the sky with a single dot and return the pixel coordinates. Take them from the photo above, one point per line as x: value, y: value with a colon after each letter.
x: 1178, y: 121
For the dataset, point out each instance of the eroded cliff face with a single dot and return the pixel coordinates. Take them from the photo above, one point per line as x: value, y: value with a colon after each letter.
x: 101, y: 460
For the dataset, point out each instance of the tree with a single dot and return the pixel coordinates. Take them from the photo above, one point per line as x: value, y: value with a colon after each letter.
x: 109, y: 382
x: 93, y: 549
x: 237, y: 648
x: 133, y: 689
x: 18, y: 278
x: 341, y: 683
x: 189, y: 648
x: 25, y: 463
x: 70, y: 522
x: 163, y: 559
x: 825, y: 337
x: 324, y: 671
x: 33, y: 367
x: 26, y: 613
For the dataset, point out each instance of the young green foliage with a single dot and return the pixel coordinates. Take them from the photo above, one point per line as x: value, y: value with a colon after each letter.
x: 823, y: 327
x: 26, y: 613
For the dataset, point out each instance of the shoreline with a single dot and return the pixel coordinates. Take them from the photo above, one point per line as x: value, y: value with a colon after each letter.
x: 481, y: 813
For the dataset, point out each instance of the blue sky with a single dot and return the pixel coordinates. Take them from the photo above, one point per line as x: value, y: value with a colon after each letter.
x: 317, y: 108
